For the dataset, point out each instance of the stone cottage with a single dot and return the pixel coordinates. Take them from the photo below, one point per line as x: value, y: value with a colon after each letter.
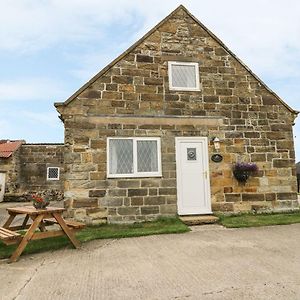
x: 158, y: 131
x: 31, y: 168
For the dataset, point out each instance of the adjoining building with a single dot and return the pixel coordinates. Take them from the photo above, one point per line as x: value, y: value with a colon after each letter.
x: 26, y: 169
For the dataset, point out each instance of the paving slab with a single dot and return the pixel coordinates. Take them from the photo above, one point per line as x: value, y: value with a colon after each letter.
x: 211, y: 262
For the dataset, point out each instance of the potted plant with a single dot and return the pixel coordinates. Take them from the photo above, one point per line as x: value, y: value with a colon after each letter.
x: 39, y: 202
x: 242, y: 170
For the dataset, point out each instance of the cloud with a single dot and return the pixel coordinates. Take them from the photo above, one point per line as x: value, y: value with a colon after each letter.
x: 31, y: 25
x: 91, y: 64
x: 49, y: 119
x: 265, y: 36
x: 34, y: 127
x: 289, y: 89
x: 91, y: 33
x: 4, y: 128
x: 24, y: 89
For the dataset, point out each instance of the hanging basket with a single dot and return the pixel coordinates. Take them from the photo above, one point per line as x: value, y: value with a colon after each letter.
x: 242, y: 171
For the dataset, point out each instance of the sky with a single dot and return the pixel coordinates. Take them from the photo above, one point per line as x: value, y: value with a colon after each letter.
x: 50, y: 48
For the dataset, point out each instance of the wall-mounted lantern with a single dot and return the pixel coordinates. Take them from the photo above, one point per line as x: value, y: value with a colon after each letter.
x: 216, y: 142
x: 216, y: 157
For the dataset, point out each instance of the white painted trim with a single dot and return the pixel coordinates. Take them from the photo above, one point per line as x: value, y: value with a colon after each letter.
x: 58, y: 173
x: 135, y: 173
x: 134, y: 145
x: 178, y: 140
x: 176, y: 88
x: 2, y: 184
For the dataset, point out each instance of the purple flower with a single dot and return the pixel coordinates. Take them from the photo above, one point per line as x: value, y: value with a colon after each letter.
x: 245, y: 166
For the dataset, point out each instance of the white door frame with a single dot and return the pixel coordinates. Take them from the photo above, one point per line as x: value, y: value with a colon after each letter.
x: 207, y: 197
x: 2, y: 185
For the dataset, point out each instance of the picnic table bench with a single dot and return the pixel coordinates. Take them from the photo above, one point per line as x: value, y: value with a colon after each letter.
x: 74, y: 225
x: 9, y: 237
x: 41, y: 218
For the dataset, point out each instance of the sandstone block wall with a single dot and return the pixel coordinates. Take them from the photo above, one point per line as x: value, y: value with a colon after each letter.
x: 123, y: 199
x: 34, y: 161
x: 253, y: 125
x: 26, y: 172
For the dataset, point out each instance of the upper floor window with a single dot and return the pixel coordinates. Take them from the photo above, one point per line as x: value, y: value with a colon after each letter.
x: 52, y: 173
x: 133, y: 157
x: 183, y: 76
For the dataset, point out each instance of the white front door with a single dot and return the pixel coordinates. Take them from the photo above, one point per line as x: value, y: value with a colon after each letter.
x: 193, y: 187
x: 2, y: 186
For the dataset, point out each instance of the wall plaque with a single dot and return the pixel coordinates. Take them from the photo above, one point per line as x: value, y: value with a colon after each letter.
x: 216, y: 158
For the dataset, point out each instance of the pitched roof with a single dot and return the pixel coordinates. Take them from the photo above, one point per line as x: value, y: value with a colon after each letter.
x: 8, y: 148
x: 180, y: 7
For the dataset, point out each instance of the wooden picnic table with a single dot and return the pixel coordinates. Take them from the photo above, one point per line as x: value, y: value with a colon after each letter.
x: 41, y: 218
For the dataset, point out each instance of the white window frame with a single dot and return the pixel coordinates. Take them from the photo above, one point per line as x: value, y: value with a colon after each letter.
x: 135, y: 173
x: 176, y: 88
x: 58, y: 173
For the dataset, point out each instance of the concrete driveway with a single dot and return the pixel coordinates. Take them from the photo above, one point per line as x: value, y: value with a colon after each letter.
x: 208, y: 263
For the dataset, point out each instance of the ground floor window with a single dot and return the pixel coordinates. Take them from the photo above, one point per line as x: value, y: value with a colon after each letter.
x: 133, y: 157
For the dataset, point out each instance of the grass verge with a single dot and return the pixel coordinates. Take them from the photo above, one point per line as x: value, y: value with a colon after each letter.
x: 105, y: 231
x: 251, y: 220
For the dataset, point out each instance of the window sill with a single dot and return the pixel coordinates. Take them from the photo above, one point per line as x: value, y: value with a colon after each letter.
x: 133, y: 176
x: 184, y: 89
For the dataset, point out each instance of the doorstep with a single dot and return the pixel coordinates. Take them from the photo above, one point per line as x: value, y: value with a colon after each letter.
x: 199, y: 219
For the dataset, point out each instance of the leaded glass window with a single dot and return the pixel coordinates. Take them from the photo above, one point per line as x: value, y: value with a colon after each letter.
x: 147, y: 156
x: 183, y: 76
x: 121, y: 156
x: 134, y: 157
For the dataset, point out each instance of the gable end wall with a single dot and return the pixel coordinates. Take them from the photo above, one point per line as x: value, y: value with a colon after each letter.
x: 253, y: 126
